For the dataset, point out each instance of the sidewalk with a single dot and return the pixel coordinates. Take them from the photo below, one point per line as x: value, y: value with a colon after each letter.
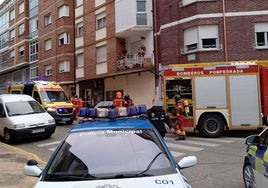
x: 12, y: 161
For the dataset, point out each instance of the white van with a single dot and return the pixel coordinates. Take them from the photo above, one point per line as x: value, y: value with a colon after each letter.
x: 21, y: 116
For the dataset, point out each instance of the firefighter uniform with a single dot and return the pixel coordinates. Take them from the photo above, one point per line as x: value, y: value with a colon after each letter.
x: 180, y: 118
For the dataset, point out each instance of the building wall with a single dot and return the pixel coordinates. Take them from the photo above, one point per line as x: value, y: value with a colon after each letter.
x: 235, y: 21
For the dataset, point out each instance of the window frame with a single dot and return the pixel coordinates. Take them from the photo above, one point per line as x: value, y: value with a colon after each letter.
x: 100, y: 20
x: 63, y: 11
x: 48, y: 70
x: 47, y: 19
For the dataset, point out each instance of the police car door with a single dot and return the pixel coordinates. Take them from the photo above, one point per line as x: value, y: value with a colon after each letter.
x: 261, y: 161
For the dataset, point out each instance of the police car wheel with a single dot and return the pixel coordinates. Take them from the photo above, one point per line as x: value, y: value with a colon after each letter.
x: 248, y: 176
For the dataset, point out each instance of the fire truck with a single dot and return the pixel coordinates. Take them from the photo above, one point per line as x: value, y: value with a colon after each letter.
x: 50, y: 95
x: 218, y: 96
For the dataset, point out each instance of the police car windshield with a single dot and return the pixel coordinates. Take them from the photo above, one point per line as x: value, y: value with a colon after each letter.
x: 23, y: 108
x: 54, y: 96
x: 106, y: 154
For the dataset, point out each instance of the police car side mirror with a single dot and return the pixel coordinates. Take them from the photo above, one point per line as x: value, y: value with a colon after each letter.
x: 253, y: 140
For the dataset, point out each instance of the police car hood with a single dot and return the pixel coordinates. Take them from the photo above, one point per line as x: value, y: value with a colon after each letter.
x: 171, y: 180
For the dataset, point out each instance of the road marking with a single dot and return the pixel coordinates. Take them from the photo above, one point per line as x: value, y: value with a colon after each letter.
x: 219, y: 140
x: 184, y: 147
x: 176, y: 153
x: 49, y: 144
x: 195, y: 142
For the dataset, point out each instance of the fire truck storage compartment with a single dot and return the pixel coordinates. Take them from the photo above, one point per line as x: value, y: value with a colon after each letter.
x: 210, y: 92
x: 244, y: 100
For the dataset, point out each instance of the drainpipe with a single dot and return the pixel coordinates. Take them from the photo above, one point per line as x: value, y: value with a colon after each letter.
x: 224, y: 31
x: 156, y: 58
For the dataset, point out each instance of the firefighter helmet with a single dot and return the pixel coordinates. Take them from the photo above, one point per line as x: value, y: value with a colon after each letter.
x: 177, y: 98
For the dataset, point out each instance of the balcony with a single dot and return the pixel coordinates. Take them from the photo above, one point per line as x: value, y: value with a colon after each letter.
x: 134, y: 19
x: 134, y: 61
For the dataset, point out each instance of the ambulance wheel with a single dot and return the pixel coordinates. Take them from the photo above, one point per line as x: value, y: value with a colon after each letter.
x: 7, y: 137
x: 248, y: 176
x: 211, y: 125
x: 69, y: 122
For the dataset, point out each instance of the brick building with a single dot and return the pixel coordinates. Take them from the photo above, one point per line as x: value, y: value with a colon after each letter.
x: 211, y: 30
x: 94, y: 48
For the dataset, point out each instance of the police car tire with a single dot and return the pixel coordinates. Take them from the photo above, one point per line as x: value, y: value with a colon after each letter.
x: 248, y: 170
x: 211, y: 126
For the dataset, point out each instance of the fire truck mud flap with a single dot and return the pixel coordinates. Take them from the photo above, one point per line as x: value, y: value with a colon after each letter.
x: 211, y: 125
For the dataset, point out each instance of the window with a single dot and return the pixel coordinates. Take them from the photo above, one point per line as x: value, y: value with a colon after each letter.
x: 34, y: 51
x: 48, y: 70
x: 21, y: 51
x: 63, y: 11
x: 12, y: 34
x: 188, y: 2
x: 80, y: 29
x: 141, y: 17
x: 199, y: 38
x: 47, y: 19
x: 79, y: 3
x: 261, y: 35
x: 48, y: 45
x: 33, y: 27
x: 64, y: 66
x: 21, y: 8
x: 12, y: 14
x: 80, y: 60
x: 100, y: 21
x: 34, y: 73
x: 21, y: 29
x: 64, y: 39
x: 12, y: 54
x: 101, y: 54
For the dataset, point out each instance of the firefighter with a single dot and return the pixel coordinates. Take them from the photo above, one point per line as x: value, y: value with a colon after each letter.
x: 118, y: 101
x: 158, y: 117
x: 180, y: 118
x: 128, y: 101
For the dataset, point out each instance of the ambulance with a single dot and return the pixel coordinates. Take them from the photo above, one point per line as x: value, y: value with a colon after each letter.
x: 50, y: 95
x: 218, y: 96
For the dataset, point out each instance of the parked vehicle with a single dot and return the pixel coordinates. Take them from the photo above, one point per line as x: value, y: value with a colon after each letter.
x: 219, y: 96
x: 50, y: 95
x: 21, y: 116
x: 112, y: 151
x: 255, y: 169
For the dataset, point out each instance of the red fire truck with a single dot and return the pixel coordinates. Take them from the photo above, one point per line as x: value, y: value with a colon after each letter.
x: 219, y: 96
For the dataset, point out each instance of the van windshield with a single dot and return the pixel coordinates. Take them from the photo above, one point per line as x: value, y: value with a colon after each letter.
x: 23, y: 108
x: 54, y: 96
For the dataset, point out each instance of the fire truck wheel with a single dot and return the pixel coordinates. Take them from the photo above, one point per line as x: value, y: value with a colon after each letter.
x: 7, y: 137
x: 211, y: 125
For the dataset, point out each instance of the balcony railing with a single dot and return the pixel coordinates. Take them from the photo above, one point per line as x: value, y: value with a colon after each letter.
x: 134, y: 61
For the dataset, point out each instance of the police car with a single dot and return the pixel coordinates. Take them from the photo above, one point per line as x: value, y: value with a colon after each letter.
x: 112, y: 152
x: 255, y: 170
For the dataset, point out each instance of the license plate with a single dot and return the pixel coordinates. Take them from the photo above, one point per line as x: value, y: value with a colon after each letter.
x: 65, y: 119
x: 38, y: 131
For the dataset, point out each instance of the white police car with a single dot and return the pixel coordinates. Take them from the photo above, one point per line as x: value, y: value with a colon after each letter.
x: 114, y: 152
x: 255, y: 170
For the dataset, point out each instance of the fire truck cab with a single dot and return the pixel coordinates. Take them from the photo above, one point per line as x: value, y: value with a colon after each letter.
x: 50, y: 95
x: 218, y: 96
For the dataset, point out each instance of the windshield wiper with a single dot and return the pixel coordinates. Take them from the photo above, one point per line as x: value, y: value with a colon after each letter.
x: 151, y: 163
x: 71, y: 177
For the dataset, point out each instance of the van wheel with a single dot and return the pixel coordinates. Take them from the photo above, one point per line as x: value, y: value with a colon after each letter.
x: 211, y: 125
x: 7, y: 137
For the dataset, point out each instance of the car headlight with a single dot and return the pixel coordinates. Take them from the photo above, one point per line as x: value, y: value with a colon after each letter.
x: 20, y: 125
x: 51, y: 109
x: 51, y: 121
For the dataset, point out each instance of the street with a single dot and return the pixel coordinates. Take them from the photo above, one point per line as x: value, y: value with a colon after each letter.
x: 220, y: 160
